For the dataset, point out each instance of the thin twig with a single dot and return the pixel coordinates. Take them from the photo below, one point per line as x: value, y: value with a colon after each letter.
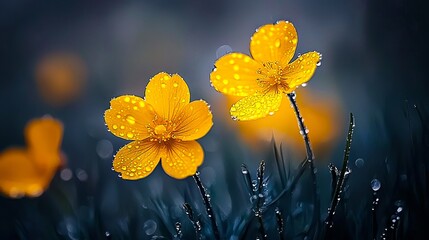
x: 207, y: 204
x: 310, y: 156
x: 341, y: 177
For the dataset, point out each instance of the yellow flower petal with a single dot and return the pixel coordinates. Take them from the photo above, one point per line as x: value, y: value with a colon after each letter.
x: 194, y: 121
x: 182, y: 159
x: 137, y: 159
x: 302, y: 69
x: 19, y: 175
x: 256, y: 106
x: 235, y: 74
x: 44, y: 137
x: 274, y: 42
x: 167, y: 94
x: 128, y: 117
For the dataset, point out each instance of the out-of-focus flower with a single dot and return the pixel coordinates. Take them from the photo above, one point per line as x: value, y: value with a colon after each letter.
x: 28, y: 171
x: 164, y: 126
x: 321, y: 117
x: 60, y: 78
x: 265, y: 77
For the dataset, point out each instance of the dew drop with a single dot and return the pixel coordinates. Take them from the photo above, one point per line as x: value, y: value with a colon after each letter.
x: 131, y: 120
x: 150, y: 227
x: 130, y: 135
x: 104, y: 149
x: 359, y: 162
x: 81, y: 175
x: 319, y: 63
x: 375, y: 184
x: 223, y: 50
x: 66, y: 174
x: 115, y: 126
x: 277, y: 43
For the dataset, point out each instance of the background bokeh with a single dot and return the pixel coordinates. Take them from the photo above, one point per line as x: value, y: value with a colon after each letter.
x: 69, y: 58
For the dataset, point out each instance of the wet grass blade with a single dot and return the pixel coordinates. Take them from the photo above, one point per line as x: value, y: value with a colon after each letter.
x: 341, y: 177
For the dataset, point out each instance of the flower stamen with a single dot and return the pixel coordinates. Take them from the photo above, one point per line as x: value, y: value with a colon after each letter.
x: 272, y: 77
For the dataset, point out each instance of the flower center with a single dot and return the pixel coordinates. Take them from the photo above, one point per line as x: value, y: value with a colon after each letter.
x: 272, y: 77
x: 161, y: 130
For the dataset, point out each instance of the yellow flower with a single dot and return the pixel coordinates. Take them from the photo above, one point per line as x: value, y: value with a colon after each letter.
x: 265, y: 77
x: 163, y: 126
x: 28, y: 172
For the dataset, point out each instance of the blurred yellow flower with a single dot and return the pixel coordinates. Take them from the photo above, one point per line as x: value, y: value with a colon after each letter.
x: 28, y: 172
x: 263, y: 78
x: 163, y: 126
x: 60, y: 78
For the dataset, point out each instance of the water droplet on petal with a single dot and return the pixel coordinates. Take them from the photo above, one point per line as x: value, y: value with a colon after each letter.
x: 277, y: 43
x: 130, y: 119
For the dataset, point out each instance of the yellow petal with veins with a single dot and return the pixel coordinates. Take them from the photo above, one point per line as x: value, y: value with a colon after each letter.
x: 194, y: 121
x: 137, y: 159
x: 182, y: 159
x: 167, y: 94
x: 274, y: 43
x: 128, y: 117
x: 301, y: 70
x: 256, y: 106
x: 235, y: 74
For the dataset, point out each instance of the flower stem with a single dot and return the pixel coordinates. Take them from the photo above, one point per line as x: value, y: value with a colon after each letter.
x: 208, y: 205
x: 310, y: 156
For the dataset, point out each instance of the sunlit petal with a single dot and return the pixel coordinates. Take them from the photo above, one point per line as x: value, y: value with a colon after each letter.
x: 167, y: 94
x: 137, y: 159
x: 235, y: 74
x: 256, y: 106
x: 194, y: 121
x: 128, y: 117
x: 274, y: 42
x: 302, y: 69
x: 182, y: 159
